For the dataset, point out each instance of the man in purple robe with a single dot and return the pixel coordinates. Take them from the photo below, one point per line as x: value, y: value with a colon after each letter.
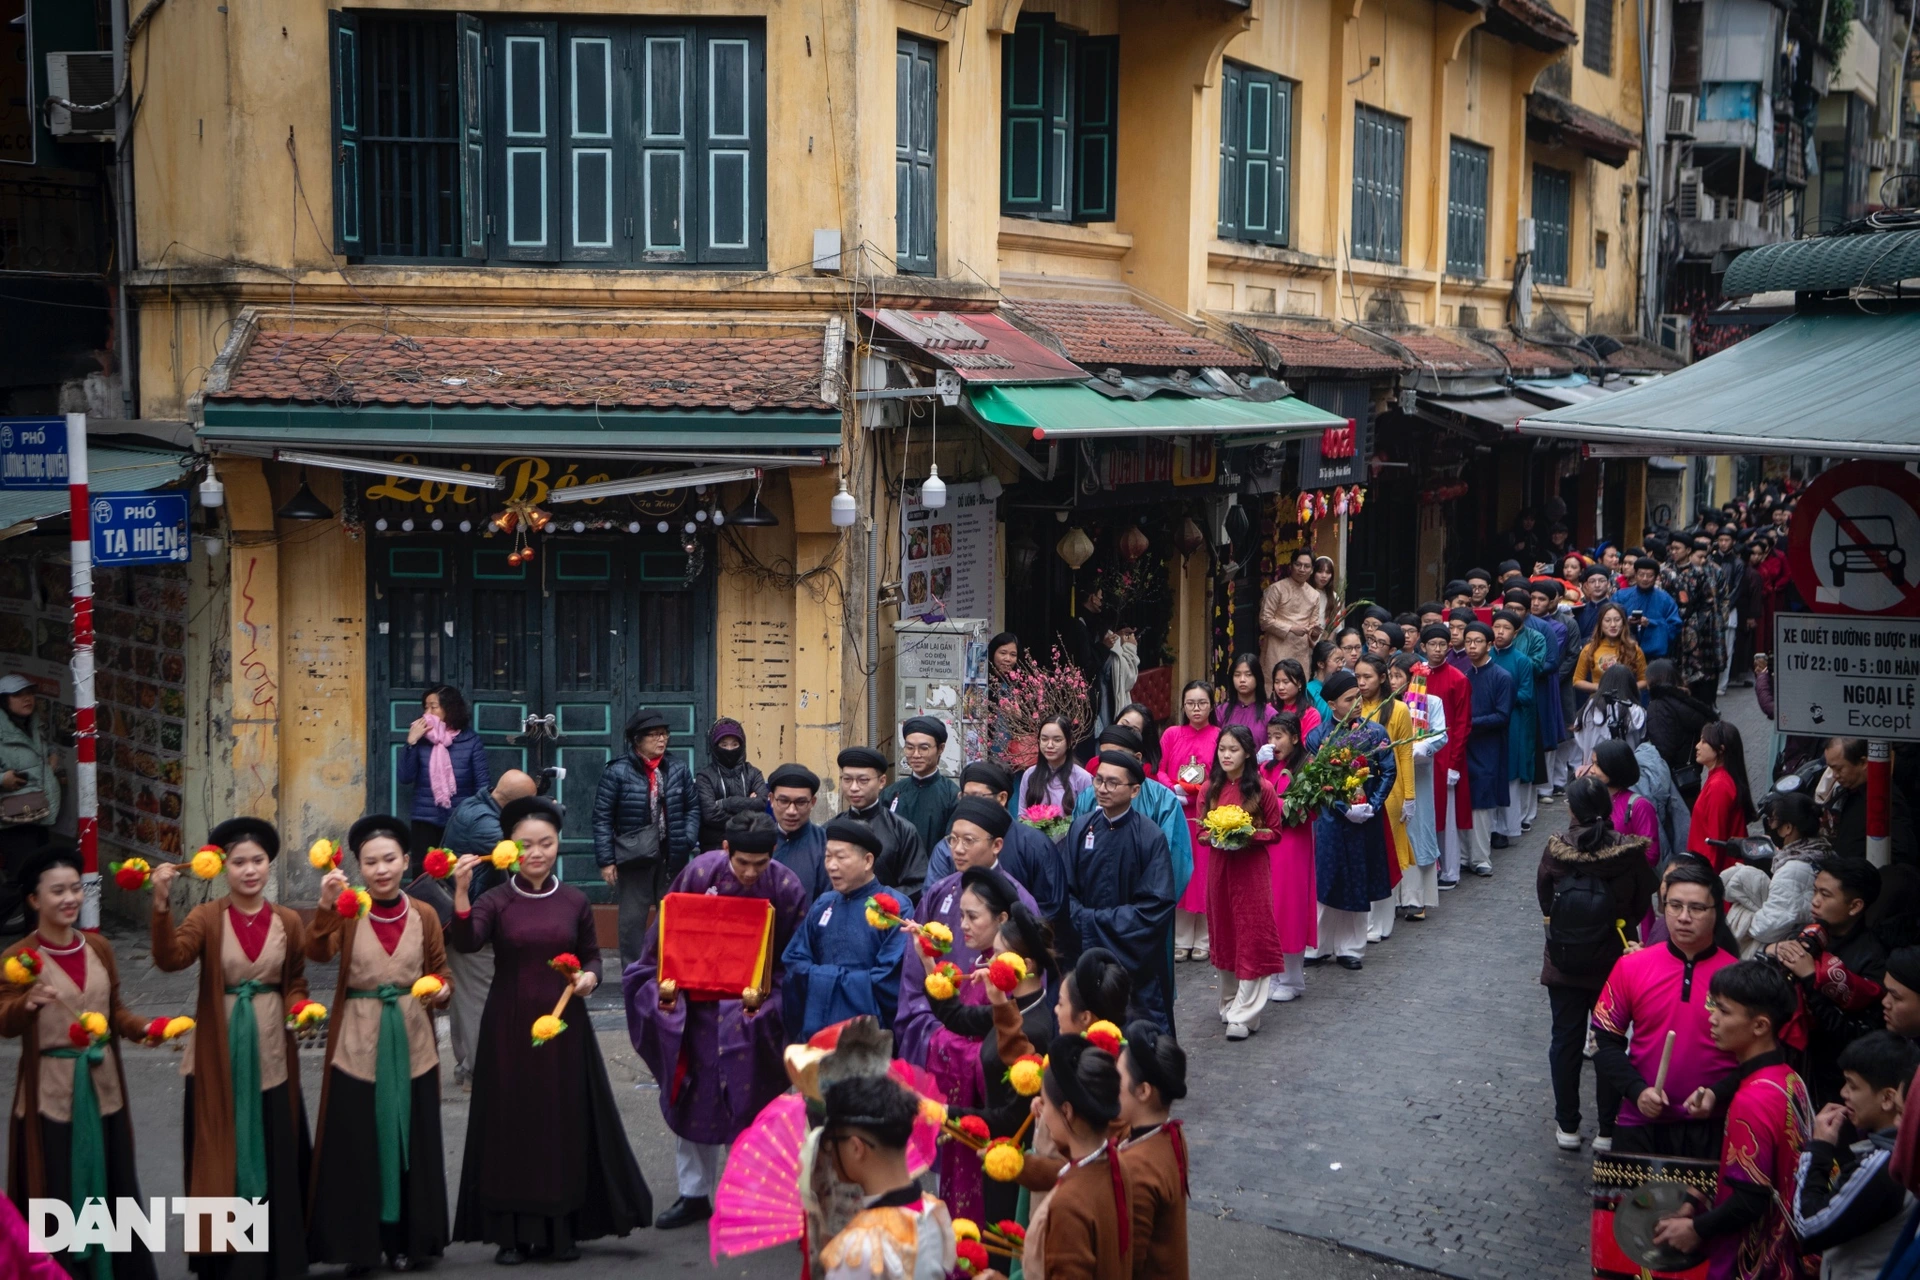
x: 718, y: 1062
x: 976, y: 835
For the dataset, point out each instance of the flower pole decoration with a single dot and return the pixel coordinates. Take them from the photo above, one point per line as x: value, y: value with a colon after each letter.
x: 323, y: 854
x: 304, y: 1017
x: 438, y: 863
x: 935, y: 939
x: 1047, y: 819
x: 161, y: 1030
x: 1228, y: 827
x: 1024, y: 1075
x: 971, y: 1256
x: 970, y: 1131
x: 1003, y: 1160
x: 1007, y: 971
x: 548, y: 1025
x: 88, y: 1030
x: 1104, y: 1035
x: 1005, y: 1236
x: 352, y: 904
x: 506, y: 855
x: 208, y: 861
x: 23, y: 967
x: 883, y: 911
x: 132, y: 875
x: 426, y: 987
x: 944, y: 981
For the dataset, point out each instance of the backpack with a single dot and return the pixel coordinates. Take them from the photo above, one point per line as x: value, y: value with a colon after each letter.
x: 1583, y: 939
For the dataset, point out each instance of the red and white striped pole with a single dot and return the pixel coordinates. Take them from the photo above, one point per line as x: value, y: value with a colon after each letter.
x: 1880, y: 803
x: 86, y: 790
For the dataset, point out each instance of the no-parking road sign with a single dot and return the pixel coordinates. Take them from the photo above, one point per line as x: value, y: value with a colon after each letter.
x: 1856, y: 533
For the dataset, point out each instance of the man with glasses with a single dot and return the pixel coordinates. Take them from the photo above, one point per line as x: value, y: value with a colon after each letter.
x: 1661, y: 988
x: 838, y: 965
x: 1029, y: 858
x: 1120, y: 887
x: 903, y: 859
x: 791, y: 793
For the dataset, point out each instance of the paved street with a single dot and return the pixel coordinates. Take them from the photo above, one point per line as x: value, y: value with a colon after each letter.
x: 1402, y: 1111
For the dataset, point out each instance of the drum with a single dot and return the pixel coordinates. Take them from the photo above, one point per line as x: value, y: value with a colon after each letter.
x: 1630, y: 1194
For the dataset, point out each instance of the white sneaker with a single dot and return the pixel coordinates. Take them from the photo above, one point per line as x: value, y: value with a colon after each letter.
x: 1561, y: 1138
x: 1283, y: 995
x: 1602, y: 1145
x: 1373, y: 935
x: 1237, y: 1031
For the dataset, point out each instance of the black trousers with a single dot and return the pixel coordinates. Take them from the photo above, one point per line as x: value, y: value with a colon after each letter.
x: 638, y: 891
x: 1566, y: 1046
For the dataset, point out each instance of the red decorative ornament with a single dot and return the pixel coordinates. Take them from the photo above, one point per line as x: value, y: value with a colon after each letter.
x: 1339, y: 442
x: 1133, y: 543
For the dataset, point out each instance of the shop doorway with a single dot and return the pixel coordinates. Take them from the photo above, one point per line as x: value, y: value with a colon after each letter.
x: 552, y: 655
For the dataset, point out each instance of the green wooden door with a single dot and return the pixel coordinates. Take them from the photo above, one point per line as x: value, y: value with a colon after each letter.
x: 553, y: 656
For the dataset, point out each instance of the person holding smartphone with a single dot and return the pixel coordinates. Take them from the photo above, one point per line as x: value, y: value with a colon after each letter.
x: 1652, y: 614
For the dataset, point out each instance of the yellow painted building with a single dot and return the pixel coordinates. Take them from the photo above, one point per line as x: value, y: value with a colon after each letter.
x: 536, y: 235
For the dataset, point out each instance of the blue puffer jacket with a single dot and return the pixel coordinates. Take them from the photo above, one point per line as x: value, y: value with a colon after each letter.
x: 470, y: 774
x: 623, y: 804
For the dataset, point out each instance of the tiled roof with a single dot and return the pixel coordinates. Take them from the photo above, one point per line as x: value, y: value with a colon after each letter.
x: 1637, y: 354
x: 1438, y: 355
x: 740, y: 374
x: 1303, y: 350
x: 1098, y: 334
x: 1554, y: 119
x: 1530, y: 360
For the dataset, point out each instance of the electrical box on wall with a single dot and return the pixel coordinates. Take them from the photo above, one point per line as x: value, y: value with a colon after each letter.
x: 940, y: 670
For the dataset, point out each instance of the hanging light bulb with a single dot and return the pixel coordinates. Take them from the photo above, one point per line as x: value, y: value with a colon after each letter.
x: 933, y: 493
x: 843, y: 509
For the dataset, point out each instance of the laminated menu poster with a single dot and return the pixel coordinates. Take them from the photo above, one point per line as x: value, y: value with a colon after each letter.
x: 946, y: 556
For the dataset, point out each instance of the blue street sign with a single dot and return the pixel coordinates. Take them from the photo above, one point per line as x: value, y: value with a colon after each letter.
x: 140, y: 528
x: 33, y: 453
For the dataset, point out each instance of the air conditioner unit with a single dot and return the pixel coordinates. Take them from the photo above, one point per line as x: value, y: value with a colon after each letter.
x: 1749, y: 211
x: 1906, y: 155
x: 85, y: 78
x: 1680, y: 115
x: 1691, y: 201
x: 1878, y: 153
x: 1676, y: 335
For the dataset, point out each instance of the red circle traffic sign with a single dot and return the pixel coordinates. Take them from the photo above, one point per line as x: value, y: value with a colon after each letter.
x: 1855, y: 536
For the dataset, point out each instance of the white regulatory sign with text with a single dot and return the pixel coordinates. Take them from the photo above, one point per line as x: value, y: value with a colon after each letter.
x: 1856, y: 677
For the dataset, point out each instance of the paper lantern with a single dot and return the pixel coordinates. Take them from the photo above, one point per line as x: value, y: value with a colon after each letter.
x: 1191, y: 538
x: 1133, y: 543
x: 1075, y: 547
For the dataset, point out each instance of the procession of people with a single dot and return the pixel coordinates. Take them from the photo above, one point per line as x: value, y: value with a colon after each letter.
x: 992, y: 959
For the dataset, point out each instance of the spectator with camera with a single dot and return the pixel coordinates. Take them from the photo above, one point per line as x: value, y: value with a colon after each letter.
x: 1839, y: 967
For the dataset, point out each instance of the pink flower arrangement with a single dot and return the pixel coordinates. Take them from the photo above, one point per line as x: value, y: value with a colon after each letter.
x: 1031, y: 694
x: 1047, y: 819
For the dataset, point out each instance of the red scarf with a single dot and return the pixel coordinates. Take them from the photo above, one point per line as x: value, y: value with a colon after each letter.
x: 251, y: 930
x: 74, y: 962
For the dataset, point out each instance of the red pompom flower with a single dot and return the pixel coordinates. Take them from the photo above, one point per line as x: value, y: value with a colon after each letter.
x: 157, y: 1029
x: 972, y: 1256
x: 565, y: 963
x: 974, y: 1127
x: 438, y: 863
x: 78, y: 1035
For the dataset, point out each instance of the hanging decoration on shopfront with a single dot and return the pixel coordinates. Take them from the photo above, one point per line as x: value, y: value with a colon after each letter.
x: 1441, y: 493
x: 1317, y: 504
x: 529, y: 480
x: 520, y: 518
x: 1075, y: 547
x: 1133, y: 543
x: 1191, y: 537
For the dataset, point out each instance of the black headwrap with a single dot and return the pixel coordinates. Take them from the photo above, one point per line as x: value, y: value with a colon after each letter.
x: 1904, y: 964
x: 751, y: 833
x: 1455, y: 587
x: 989, y: 775
x: 853, y: 831
x: 985, y: 814
x: 1125, y: 760
x: 795, y: 775
x: 1473, y: 629
x: 1436, y: 631
x: 256, y: 830
x: 928, y: 725
x: 515, y: 812
x: 1337, y: 684
x: 379, y: 824
x: 861, y: 758
x: 1121, y: 736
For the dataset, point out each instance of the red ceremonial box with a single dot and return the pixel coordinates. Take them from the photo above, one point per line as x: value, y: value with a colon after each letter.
x: 714, y: 947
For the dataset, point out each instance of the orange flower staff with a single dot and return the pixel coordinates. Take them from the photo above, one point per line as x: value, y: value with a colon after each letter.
x: 380, y: 1096
x: 245, y: 1126
x: 70, y: 1135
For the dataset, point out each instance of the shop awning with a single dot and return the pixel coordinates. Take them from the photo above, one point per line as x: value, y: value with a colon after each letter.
x: 1840, y: 384
x: 427, y: 429
x: 1494, y: 410
x: 109, y: 470
x: 1080, y: 413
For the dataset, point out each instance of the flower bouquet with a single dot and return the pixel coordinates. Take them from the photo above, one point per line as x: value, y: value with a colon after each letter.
x: 132, y: 875
x: 208, y: 861
x: 1337, y: 774
x: 323, y: 854
x: 306, y: 1016
x: 1228, y: 827
x: 1047, y: 819
x: 884, y: 911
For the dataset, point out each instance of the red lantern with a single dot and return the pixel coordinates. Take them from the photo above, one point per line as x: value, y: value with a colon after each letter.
x: 1133, y: 543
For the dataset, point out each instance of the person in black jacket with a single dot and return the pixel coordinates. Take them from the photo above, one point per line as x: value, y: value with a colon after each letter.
x: 646, y: 826
x: 727, y: 783
x: 1848, y: 1207
x: 902, y: 860
x: 1840, y: 968
x: 1847, y: 808
x: 1674, y: 720
x: 1589, y: 848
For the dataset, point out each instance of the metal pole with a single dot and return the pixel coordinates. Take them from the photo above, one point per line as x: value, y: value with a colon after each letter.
x: 124, y: 242
x: 873, y: 638
x: 86, y: 791
x: 1879, y: 803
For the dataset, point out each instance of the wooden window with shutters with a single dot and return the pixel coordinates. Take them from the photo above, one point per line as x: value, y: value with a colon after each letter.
x: 1596, y: 44
x: 1256, y: 155
x: 1552, y: 223
x: 916, y: 96
x: 1467, y: 166
x: 1379, y: 184
x: 1059, y: 122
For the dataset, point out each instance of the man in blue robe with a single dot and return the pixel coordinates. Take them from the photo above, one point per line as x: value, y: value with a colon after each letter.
x: 1156, y: 801
x: 838, y: 965
x: 977, y: 840
x: 1487, y: 746
x: 1513, y: 654
x: 791, y: 790
x: 925, y: 797
x: 1543, y: 601
x: 1596, y: 593
x: 718, y: 1062
x: 1349, y: 837
x: 903, y: 857
x: 1120, y: 892
x: 1029, y: 859
x: 1651, y: 613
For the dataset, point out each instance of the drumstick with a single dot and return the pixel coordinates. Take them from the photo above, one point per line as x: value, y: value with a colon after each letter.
x: 1666, y: 1058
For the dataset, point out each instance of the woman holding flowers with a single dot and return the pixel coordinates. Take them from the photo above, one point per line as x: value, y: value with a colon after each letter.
x: 1186, y: 754
x: 1242, y: 820
x: 380, y: 1093
x: 1054, y: 778
x: 1345, y: 783
x: 1295, y: 908
x: 70, y: 1136
x: 1378, y: 704
x: 246, y: 1128
x: 547, y: 1162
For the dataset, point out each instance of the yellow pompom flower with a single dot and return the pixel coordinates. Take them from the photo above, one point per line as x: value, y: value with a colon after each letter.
x: 875, y: 919
x: 506, y: 855
x: 933, y: 1111
x: 95, y: 1023
x: 966, y: 1229
x: 546, y: 1027
x: 178, y: 1027
x: 1024, y: 1076
x: 1003, y: 1162
x: 20, y: 973
x: 208, y: 862
x: 427, y: 987
x: 939, y: 986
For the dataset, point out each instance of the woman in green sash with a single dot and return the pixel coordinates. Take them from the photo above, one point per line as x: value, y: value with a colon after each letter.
x: 380, y: 1097
x: 71, y: 1136
x: 245, y: 1128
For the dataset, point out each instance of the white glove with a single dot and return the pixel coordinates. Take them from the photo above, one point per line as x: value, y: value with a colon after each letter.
x: 1357, y: 813
x: 1453, y: 777
x: 1406, y: 812
x: 1265, y: 754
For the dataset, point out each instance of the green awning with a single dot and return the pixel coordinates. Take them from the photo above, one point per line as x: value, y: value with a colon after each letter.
x: 425, y: 429
x: 109, y: 470
x: 1075, y: 412
x: 1828, y: 263
x: 1842, y: 384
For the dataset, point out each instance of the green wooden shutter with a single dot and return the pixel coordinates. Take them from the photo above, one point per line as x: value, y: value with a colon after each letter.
x: 593, y: 104
x: 527, y: 141
x: 916, y: 97
x: 730, y: 108
x: 667, y: 188
x: 1552, y: 214
x: 343, y: 44
x: 1096, y: 119
x: 1231, y: 105
x: 1024, y: 118
x: 1280, y: 165
x: 473, y: 136
x: 1467, y: 208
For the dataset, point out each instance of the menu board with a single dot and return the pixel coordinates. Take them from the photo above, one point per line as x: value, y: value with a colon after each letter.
x: 946, y: 556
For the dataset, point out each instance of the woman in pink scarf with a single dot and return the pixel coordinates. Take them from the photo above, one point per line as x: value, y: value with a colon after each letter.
x: 444, y: 763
